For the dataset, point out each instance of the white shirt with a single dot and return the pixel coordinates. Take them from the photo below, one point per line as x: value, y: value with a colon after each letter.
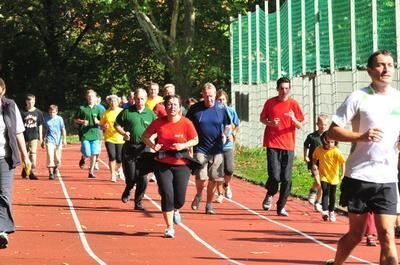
x: 372, y: 161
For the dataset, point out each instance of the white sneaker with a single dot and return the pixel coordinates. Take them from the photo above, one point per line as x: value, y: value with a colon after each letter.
x: 121, y: 174
x: 311, y: 197
x: 220, y: 198
x: 57, y: 172
x: 332, y: 216
x: 318, y: 207
x: 113, y: 177
x: 228, y: 192
x: 152, y: 177
x: 96, y: 165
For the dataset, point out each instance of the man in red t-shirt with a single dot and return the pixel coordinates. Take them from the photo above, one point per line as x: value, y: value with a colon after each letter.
x: 282, y: 116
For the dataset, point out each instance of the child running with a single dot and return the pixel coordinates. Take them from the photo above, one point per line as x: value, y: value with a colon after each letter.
x: 326, y: 163
x: 54, y: 137
x: 312, y: 141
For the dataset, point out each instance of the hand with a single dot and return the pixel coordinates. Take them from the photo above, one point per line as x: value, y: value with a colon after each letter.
x: 306, y: 159
x: 65, y: 142
x: 127, y: 136
x: 105, y: 126
x: 157, y: 147
x: 223, y: 138
x: 276, y: 122
x: 373, y: 134
x: 85, y: 123
x: 180, y: 146
x: 27, y: 165
x: 96, y: 121
x: 291, y: 115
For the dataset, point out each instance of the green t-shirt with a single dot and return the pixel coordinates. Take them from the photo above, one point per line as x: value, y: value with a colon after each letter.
x: 135, y: 122
x: 91, y: 131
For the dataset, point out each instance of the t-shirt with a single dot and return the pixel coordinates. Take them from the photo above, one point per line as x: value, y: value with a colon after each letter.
x: 233, y: 116
x: 53, y: 129
x: 111, y: 135
x: 169, y: 133
x: 151, y: 102
x: 329, y: 162
x: 135, y: 122
x: 159, y: 110
x: 284, y: 136
x: 91, y: 131
x: 372, y: 161
x: 209, y: 124
x: 32, y: 121
x: 313, y: 140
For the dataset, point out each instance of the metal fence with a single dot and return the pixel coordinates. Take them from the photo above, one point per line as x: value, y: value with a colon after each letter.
x: 322, y: 45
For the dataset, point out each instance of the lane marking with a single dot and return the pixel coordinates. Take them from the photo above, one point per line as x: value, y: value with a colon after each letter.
x: 198, y: 238
x: 295, y: 230
x: 79, y: 226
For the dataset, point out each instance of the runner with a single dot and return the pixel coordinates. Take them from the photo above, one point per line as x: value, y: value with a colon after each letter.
x: 175, y: 135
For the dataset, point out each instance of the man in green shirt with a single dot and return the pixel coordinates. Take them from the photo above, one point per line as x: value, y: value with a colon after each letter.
x: 88, y: 119
x: 131, y: 123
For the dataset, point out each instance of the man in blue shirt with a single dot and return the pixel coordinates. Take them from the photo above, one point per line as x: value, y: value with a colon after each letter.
x: 212, y: 122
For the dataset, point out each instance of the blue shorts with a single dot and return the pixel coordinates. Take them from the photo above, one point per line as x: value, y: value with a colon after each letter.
x: 89, y: 148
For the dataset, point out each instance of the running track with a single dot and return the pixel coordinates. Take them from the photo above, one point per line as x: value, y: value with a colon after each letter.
x: 77, y: 220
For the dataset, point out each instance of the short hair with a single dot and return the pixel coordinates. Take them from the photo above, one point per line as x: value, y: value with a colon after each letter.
x: 208, y: 86
x: 324, y: 139
x: 169, y: 97
x: 110, y: 97
x: 90, y: 91
x: 169, y: 85
x: 282, y: 80
x: 150, y: 84
x: 140, y: 90
x: 53, y: 107
x: 322, y: 117
x: 371, y: 58
x: 221, y: 92
x: 29, y: 96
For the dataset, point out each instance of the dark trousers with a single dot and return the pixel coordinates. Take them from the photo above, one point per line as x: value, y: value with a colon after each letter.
x: 172, y: 183
x: 6, y: 184
x: 132, y: 169
x: 279, y: 165
x: 328, y: 196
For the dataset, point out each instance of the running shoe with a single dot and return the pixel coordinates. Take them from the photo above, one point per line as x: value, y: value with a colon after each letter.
x: 325, y: 215
x: 125, y: 195
x: 3, y: 240
x: 57, y: 173
x: 220, y: 198
x: 371, y: 241
x: 51, y: 176
x: 267, y: 202
x: 330, y: 262
x: 332, y: 217
x: 152, y: 177
x: 311, y: 197
x: 210, y: 209
x: 113, y: 177
x: 177, y: 217
x: 23, y: 174
x: 139, y: 206
x: 91, y: 176
x: 283, y: 212
x: 82, y: 162
x: 33, y: 176
x: 196, y: 202
x: 228, y: 191
x: 96, y: 165
x: 318, y: 207
x: 121, y: 174
x: 169, y: 233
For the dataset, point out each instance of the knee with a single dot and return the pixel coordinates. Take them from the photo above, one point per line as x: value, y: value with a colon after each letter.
x: 386, y: 237
x: 355, y: 237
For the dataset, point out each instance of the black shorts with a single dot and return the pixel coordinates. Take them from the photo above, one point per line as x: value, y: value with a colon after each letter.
x: 361, y: 196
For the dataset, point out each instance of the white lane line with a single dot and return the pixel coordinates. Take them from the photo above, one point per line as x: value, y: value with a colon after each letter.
x: 79, y: 226
x: 295, y: 230
x: 197, y: 238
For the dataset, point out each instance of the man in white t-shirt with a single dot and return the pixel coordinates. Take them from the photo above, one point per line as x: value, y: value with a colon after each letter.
x: 370, y: 180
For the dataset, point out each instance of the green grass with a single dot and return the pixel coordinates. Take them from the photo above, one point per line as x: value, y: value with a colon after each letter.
x: 73, y: 139
x: 251, y: 165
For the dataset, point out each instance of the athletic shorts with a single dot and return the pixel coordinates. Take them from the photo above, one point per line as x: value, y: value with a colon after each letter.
x: 212, y: 169
x: 89, y: 148
x: 361, y: 196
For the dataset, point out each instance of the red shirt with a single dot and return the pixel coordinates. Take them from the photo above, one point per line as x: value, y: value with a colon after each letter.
x: 169, y: 133
x: 284, y: 136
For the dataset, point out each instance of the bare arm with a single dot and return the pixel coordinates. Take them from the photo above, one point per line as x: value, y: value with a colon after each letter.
x: 22, y: 149
x: 344, y: 135
x: 64, y: 136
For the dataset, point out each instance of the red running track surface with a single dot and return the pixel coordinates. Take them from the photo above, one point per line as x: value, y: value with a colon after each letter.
x: 106, y: 231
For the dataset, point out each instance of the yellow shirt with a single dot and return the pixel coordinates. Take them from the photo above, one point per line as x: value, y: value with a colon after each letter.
x: 110, y: 134
x: 151, y: 102
x: 329, y: 162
